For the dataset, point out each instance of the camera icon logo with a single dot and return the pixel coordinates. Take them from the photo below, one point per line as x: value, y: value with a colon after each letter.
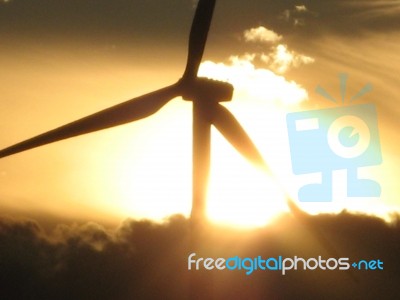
x: 338, y: 138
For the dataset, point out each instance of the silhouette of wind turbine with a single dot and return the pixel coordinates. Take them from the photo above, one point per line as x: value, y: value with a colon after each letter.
x: 206, y: 95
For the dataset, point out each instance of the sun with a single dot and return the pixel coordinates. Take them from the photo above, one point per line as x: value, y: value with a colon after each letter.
x: 151, y: 175
x: 239, y: 193
x: 156, y: 182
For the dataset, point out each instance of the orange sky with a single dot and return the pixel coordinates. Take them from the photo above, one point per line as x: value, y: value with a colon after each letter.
x: 54, y: 78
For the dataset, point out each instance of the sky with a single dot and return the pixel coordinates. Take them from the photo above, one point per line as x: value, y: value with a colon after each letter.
x: 62, y: 60
x: 72, y: 213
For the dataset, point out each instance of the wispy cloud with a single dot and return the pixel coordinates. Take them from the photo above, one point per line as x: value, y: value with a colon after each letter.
x: 300, y: 8
x: 261, y: 34
x: 297, y: 15
x: 281, y: 59
x: 371, y: 10
x: 278, y: 58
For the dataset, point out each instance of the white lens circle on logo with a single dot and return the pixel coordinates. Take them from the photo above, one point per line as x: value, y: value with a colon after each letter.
x: 359, y: 126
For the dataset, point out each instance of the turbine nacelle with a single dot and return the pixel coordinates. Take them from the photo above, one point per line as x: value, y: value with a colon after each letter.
x: 206, y: 89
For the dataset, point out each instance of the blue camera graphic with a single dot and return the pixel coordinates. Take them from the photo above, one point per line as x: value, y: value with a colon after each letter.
x: 331, y: 139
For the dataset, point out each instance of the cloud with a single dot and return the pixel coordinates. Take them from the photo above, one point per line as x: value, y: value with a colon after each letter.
x: 348, y: 18
x: 282, y: 59
x: 378, y: 13
x: 300, y: 8
x: 279, y: 58
x: 88, y: 261
x: 297, y: 15
x: 85, y: 19
x: 261, y: 34
x: 252, y: 83
x: 146, y: 260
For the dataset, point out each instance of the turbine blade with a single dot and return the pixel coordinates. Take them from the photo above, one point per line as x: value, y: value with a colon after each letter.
x: 198, y: 37
x: 230, y: 128
x: 131, y: 110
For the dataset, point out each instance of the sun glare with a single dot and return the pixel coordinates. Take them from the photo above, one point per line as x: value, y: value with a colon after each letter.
x: 144, y: 169
x: 156, y: 183
x: 240, y: 194
x: 151, y: 172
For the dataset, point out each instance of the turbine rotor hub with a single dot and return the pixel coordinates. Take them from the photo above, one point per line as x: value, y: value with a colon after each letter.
x: 205, y: 88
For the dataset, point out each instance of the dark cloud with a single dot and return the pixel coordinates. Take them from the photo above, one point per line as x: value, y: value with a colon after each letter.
x: 307, y: 19
x: 145, y: 260
x: 128, y: 26
x: 94, y: 19
x: 87, y: 262
x: 348, y: 17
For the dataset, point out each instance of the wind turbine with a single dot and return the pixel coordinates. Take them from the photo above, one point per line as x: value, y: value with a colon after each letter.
x: 206, y: 95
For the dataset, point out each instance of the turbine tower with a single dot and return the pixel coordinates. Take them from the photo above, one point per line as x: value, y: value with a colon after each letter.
x: 206, y: 95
